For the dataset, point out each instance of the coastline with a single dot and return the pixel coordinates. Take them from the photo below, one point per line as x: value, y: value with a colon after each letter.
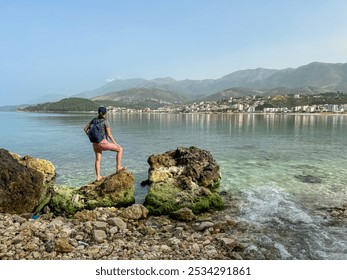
x: 105, y: 233
x: 190, y: 113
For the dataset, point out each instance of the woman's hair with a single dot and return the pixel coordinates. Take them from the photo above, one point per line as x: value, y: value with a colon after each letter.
x: 102, y: 112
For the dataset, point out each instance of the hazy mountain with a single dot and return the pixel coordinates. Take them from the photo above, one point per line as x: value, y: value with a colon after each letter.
x: 47, y: 98
x: 232, y: 92
x: 324, y: 76
x: 12, y: 108
x: 144, y: 97
x: 241, y: 92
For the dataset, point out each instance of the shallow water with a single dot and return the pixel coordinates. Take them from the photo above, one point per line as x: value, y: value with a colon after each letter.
x: 264, y: 159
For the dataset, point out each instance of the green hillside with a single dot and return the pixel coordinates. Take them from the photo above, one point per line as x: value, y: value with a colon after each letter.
x: 72, y: 104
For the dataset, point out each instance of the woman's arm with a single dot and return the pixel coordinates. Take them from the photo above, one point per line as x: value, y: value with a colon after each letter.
x: 109, y: 135
x: 87, y: 128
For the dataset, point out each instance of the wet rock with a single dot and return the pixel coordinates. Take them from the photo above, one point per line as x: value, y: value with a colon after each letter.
x: 21, y: 187
x: 183, y: 178
x: 310, y: 179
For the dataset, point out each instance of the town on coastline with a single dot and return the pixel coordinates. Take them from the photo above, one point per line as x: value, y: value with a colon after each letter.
x: 251, y: 104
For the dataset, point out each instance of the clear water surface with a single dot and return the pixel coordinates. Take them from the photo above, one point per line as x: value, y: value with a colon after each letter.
x: 262, y: 158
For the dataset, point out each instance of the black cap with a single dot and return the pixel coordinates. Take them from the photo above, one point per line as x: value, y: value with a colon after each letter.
x: 102, y: 110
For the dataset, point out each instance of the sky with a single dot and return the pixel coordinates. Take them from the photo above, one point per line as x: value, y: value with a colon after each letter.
x: 67, y: 47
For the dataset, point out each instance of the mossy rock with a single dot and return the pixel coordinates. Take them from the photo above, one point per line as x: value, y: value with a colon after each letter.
x: 117, y: 190
x: 166, y: 198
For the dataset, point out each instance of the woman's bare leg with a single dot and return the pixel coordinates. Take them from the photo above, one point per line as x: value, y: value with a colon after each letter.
x: 97, y: 166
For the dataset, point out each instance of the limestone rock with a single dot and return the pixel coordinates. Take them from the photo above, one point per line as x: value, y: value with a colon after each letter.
x: 117, y: 190
x: 135, y: 212
x: 21, y: 187
x: 43, y: 166
x: 183, y: 178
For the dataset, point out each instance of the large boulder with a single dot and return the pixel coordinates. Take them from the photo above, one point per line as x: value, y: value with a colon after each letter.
x: 116, y: 190
x: 22, y: 185
x: 183, y: 178
x: 43, y: 166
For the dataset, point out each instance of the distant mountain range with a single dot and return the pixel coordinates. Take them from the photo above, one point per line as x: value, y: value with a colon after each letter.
x: 143, y: 97
x: 313, y: 78
x: 321, y: 77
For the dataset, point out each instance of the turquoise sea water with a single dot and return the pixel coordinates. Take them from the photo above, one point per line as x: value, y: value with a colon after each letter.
x: 261, y: 157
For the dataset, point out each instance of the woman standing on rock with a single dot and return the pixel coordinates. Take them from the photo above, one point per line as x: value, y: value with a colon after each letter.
x: 104, y: 144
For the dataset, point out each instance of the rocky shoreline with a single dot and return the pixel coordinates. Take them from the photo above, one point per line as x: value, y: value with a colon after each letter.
x: 122, y: 233
x: 100, y: 220
x: 190, y: 229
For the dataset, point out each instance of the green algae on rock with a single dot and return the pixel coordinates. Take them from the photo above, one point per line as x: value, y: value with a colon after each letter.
x: 183, y: 178
x: 116, y: 190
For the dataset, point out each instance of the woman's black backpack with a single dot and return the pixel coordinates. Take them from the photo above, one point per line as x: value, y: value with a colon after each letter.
x: 95, y: 131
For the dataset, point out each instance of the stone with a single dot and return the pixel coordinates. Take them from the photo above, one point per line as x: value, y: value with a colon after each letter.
x: 229, y: 243
x: 113, y: 230
x: 116, y: 190
x: 165, y: 248
x: 99, y: 235
x: 86, y: 215
x: 45, y: 167
x: 210, y: 251
x: 21, y: 187
x: 63, y: 246
x: 117, y: 222
x: 196, y: 247
x: 308, y: 179
x: 183, y: 178
x: 135, y: 212
x: 205, y: 225
x: 183, y: 214
x: 100, y: 225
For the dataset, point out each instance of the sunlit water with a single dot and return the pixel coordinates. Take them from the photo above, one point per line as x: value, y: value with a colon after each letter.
x: 261, y: 157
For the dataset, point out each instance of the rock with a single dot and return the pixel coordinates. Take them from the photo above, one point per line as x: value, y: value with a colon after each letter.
x: 45, y: 167
x: 184, y: 178
x: 308, y: 179
x: 229, y: 243
x: 117, y: 222
x: 86, y: 215
x: 184, y: 214
x: 99, y: 236
x: 117, y: 190
x: 100, y: 225
x: 135, y: 212
x: 165, y: 248
x: 210, y: 251
x: 63, y: 246
x: 114, y: 230
x: 196, y: 247
x: 205, y: 225
x: 21, y: 187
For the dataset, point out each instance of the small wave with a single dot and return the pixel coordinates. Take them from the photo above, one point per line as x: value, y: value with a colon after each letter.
x: 283, y: 229
x: 268, y: 204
